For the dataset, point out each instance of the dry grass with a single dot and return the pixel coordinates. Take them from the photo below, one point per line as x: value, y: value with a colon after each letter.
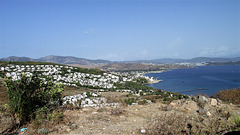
x: 74, y: 90
x: 46, y: 120
x: 170, y: 124
x: 182, y: 124
x: 231, y: 96
x: 116, y: 97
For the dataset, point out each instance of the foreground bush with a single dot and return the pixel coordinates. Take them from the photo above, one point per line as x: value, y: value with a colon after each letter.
x: 231, y: 96
x: 28, y: 94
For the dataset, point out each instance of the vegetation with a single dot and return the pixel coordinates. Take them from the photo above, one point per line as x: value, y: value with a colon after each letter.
x: 27, y: 95
x: 230, y: 96
x: 89, y: 71
x: 142, y: 80
x: 132, y: 86
x: 129, y: 101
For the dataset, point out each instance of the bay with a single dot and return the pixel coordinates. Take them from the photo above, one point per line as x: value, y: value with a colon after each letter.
x: 200, y: 80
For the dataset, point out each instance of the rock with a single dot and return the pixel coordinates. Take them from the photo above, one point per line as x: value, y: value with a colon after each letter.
x: 43, y: 131
x: 169, y: 108
x: 68, y: 130
x: 143, y: 131
x: 202, y: 99
x: 85, y: 109
x: 173, y: 104
x: 214, y: 102
x: 189, y: 106
x: 208, y: 114
x: 201, y: 111
x: 101, y: 110
x: 94, y: 112
x: 219, y: 100
x: 122, y: 117
x: 73, y: 125
x: 149, y: 101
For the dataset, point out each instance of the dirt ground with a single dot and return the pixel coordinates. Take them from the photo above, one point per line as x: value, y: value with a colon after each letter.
x: 134, y: 119
x: 124, y: 120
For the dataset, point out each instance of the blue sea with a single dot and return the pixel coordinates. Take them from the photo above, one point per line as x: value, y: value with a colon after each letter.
x: 200, y: 80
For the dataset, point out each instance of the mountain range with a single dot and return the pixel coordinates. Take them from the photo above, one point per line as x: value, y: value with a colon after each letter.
x: 82, y: 61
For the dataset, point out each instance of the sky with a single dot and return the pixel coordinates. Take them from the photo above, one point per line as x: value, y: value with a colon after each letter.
x: 120, y: 30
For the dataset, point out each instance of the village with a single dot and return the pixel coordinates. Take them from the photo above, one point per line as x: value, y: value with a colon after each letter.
x: 68, y: 76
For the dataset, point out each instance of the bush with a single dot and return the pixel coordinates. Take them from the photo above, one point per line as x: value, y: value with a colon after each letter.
x: 231, y: 96
x: 169, y: 124
x: 129, y: 101
x: 30, y: 93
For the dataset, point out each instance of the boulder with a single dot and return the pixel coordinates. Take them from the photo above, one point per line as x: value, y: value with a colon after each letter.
x: 202, y: 99
x: 189, y: 106
x: 175, y: 103
x: 214, y: 102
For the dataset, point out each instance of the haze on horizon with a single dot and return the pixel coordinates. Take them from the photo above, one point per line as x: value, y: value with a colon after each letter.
x: 120, y: 30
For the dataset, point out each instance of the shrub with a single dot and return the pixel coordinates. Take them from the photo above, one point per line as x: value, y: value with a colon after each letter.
x: 231, y: 96
x: 236, y: 121
x: 142, y: 102
x: 30, y: 93
x: 129, y: 101
x: 170, y: 124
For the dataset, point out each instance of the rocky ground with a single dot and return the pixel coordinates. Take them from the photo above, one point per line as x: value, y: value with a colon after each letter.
x: 196, y: 115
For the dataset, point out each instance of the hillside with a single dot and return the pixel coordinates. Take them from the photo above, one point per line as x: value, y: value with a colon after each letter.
x: 58, y: 59
x: 195, y: 115
x: 14, y: 58
x: 138, y: 67
x: 193, y: 60
x: 71, y: 60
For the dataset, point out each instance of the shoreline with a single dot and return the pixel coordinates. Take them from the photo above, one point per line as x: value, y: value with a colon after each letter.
x: 152, y: 80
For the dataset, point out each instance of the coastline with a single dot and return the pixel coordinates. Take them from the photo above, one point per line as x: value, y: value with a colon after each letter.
x: 203, y: 79
x: 152, y: 80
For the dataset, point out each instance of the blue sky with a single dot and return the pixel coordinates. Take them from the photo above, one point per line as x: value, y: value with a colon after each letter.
x: 120, y: 29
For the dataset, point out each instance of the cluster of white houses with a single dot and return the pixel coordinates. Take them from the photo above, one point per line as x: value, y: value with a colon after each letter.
x: 83, y: 100
x: 66, y: 75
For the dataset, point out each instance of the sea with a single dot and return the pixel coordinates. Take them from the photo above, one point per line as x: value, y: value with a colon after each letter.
x: 207, y: 80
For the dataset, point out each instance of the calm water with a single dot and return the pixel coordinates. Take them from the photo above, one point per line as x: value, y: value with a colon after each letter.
x: 203, y: 80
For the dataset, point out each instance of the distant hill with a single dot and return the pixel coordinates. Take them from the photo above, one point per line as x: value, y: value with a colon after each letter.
x: 58, y: 59
x: 72, y: 60
x: 207, y: 59
x: 193, y: 60
x: 14, y: 58
x: 82, y: 61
